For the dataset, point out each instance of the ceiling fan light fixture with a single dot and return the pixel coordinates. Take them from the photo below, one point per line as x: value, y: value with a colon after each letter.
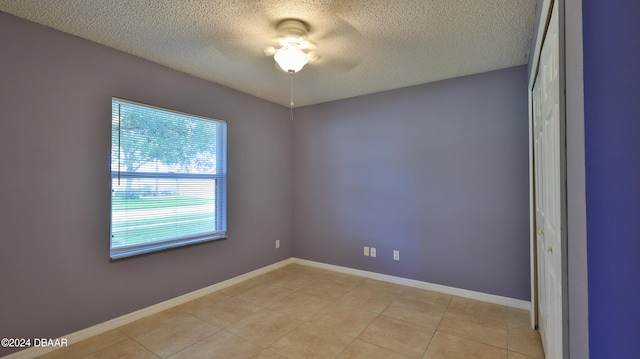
x: 291, y: 58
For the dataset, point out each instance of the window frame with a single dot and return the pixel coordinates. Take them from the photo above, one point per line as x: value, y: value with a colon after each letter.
x: 220, y: 190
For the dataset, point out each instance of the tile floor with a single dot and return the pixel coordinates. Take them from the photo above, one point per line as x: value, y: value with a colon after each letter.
x: 304, y: 312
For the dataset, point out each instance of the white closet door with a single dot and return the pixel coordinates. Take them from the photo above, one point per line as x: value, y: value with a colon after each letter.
x: 546, y: 133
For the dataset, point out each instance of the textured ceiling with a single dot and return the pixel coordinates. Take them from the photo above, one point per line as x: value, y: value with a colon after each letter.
x: 364, y: 46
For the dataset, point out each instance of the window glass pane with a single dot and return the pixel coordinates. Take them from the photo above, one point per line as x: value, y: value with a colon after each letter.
x: 168, y: 180
x: 147, y: 139
x: 164, y: 209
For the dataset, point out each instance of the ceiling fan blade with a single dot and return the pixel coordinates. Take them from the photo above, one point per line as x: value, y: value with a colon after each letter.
x: 336, y: 64
x: 339, y: 44
x: 249, y: 34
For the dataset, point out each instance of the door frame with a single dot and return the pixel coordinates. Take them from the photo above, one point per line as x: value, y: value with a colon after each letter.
x: 545, y: 16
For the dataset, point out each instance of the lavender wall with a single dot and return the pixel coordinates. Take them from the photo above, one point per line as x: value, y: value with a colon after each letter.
x: 612, y: 151
x: 55, y: 94
x: 437, y: 171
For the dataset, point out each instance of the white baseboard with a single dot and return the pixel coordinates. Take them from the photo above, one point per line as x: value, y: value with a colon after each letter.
x: 490, y: 298
x: 139, y: 314
x: 156, y: 308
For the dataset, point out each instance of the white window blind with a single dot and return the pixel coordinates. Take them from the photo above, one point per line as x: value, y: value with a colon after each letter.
x: 168, y: 179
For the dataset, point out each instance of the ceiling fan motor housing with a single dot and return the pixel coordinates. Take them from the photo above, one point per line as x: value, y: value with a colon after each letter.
x: 292, y: 31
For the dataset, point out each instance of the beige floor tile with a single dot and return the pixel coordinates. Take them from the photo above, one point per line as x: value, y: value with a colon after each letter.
x: 343, y: 319
x: 304, y: 312
x: 295, y: 268
x: 447, y: 346
x: 487, y: 331
x: 265, y: 327
x: 282, y: 271
x: 244, y: 286
x: 87, y: 346
x: 220, y: 310
x: 221, y: 345
x: 515, y: 355
x: 398, y: 336
x: 293, y: 281
x: 268, y: 354
x: 169, y: 331
x: 423, y: 314
x: 519, y: 316
x: 326, y: 289
x: 479, y: 309
x: 202, y: 302
x: 127, y: 349
x: 301, y: 305
x: 383, y: 287
x: 311, y: 342
x: 269, y: 277
x: 319, y: 273
x: 343, y: 278
x: 523, y: 339
x: 426, y: 296
x: 363, y: 350
x: 366, y: 299
x: 306, y: 270
x: 264, y: 294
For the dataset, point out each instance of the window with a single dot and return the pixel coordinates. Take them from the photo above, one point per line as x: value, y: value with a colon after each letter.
x: 168, y: 179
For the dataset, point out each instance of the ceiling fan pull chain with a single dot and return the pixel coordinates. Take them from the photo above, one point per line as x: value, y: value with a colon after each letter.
x: 291, y: 104
x: 291, y: 75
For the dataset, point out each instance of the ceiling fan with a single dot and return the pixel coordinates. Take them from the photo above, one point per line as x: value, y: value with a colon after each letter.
x: 313, y: 37
x: 295, y: 48
x: 317, y: 37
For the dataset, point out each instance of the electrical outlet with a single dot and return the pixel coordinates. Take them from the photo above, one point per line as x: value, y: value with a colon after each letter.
x: 366, y: 251
x: 373, y: 251
x: 277, y: 243
x: 396, y: 255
